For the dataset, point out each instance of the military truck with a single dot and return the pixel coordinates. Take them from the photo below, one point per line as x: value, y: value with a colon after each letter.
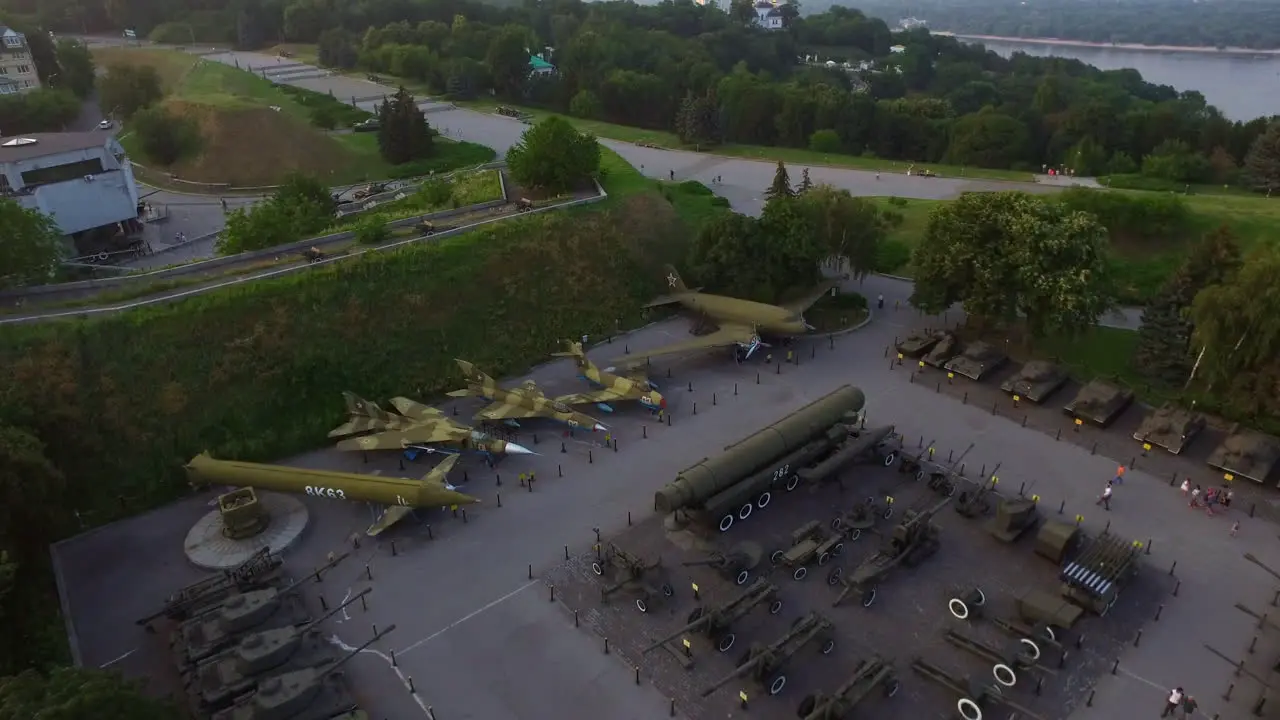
x: 977, y: 360
x: 729, y: 487
x: 1036, y: 381
x: 1170, y: 427
x: 1099, y: 403
x: 918, y: 343
x: 1247, y: 454
x: 947, y: 347
x: 810, y: 543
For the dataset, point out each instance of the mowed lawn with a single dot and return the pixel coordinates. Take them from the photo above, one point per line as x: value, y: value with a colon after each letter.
x: 254, y: 133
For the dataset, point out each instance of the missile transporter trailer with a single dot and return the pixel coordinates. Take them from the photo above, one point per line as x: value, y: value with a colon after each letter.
x: 1036, y: 381
x: 258, y: 570
x: 645, y: 581
x: 729, y: 487
x: 1247, y: 454
x: 716, y: 622
x: 765, y: 665
x: 875, y: 673
x: 1099, y: 403
x: 977, y: 361
x: 881, y: 445
x: 1170, y: 427
x: 810, y: 543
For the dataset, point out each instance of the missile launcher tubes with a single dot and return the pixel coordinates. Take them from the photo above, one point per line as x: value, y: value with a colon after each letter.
x: 714, y: 475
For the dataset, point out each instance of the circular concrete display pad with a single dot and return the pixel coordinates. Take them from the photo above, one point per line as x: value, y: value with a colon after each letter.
x: 208, y: 548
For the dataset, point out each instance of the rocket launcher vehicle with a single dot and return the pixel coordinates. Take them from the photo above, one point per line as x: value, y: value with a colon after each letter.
x: 399, y: 496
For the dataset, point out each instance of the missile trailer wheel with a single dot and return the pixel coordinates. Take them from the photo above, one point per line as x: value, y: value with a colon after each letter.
x: 807, y: 706
x: 824, y: 558
x: 778, y: 683
x: 742, y: 578
x: 963, y: 607
x: 725, y: 642
x: 888, y: 513
x: 857, y: 533
x: 890, y: 459
x: 833, y: 577
x: 745, y: 511
x: 868, y: 597
x: 775, y: 607
x: 919, y: 475
x: 762, y: 502
x: 641, y: 605
x: 891, y: 687
x: 667, y: 590
x: 969, y: 709
x: 1004, y: 675
x: 828, y: 646
x: 800, y: 573
x: 726, y: 522
x: 793, y: 481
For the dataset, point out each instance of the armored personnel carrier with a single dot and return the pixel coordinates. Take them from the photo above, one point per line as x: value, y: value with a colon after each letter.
x: 919, y: 343
x: 977, y: 360
x: 1170, y: 427
x: 1099, y: 403
x: 1036, y: 381
x: 947, y: 347
x: 1247, y: 454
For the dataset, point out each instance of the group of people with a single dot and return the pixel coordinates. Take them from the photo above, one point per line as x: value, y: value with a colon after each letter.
x: 1180, y: 702
x: 1207, y: 499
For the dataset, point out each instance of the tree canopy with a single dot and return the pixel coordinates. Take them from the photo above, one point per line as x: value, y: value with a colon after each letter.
x: 78, y: 694
x: 301, y: 207
x: 30, y: 245
x: 553, y: 156
x: 403, y: 133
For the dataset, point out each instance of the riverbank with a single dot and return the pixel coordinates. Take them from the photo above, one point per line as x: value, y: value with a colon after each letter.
x: 1204, y: 50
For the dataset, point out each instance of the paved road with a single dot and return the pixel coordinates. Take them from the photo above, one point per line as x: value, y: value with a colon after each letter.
x: 476, y: 636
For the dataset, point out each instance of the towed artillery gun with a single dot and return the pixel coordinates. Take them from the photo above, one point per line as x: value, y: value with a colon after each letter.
x: 941, y: 479
x: 974, y: 694
x: 1020, y: 654
x: 911, y: 542
x: 217, y: 681
x: 735, y: 565
x: 314, y: 693
x: 1171, y: 427
x: 871, y: 674
x: 971, y: 605
x: 975, y: 500
x: 259, y: 569
x: 716, y: 622
x: 862, y: 517
x: 809, y: 543
x: 765, y: 665
x: 1094, y: 579
x: 633, y: 574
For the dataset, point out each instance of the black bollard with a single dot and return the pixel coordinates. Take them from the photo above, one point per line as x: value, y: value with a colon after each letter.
x: 1022, y: 488
x: 695, y: 408
x: 615, y: 445
x: 575, y: 618
x: 777, y: 369
x: 530, y: 572
x: 1089, y: 702
x: 1115, y: 667
x: 368, y: 571
x: 938, y: 387
x: 994, y: 407
x: 563, y: 449
x: 1253, y: 644
x: 673, y: 708
x: 949, y: 454
x: 364, y: 459
x: 590, y: 458
x: 1227, y: 695
x: 1094, y: 449
x: 430, y: 535
x: 465, y: 477
x: 668, y: 373
x: 984, y: 470
x: 813, y: 352
x: 690, y: 386
x: 1176, y: 586
x: 644, y: 431
x: 757, y: 378
x: 393, y: 659
x: 497, y: 479
x: 668, y: 421
x: 1275, y: 599
x: 1058, y: 435
x: 1173, y: 479
x: 393, y: 548
x: 535, y: 438
x: 499, y: 499
x: 713, y: 399
x: 735, y: 389
x: 1252, y: 507
x: 1159, y: 609
x: 628, y: 518
x: 1148, y: 551
x: 323, y: 605
x: 1175, y: 564
x: 464, y: 516
x: 637, y: 674
x: 606, y: 646
x: 566, y: 552
x: 409, y: 682
x: 402, y: 463
x: 553, y: 593
x: 1061, y: 505
x: 1024, y: 421
x: 965, y: 400
x: 1108, y: 527
x: 1137, y: 639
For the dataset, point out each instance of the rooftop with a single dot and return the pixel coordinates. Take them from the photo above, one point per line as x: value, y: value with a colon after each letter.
x: 16, y: 148
x: 538, y: 63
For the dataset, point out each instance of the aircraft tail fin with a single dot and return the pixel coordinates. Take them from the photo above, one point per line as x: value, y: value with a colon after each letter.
x: 676, y: 289
x: 359, y: 407
x: 440, y: 472
x: 674, y: 283
x: 574, y: 350
x: 472, y: 373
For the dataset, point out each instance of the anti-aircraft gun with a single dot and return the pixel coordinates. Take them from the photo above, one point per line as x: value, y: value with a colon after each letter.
x: 1014, y: 517
x: 634, y: 574
x: 314, y: 693
x: 217, y: 681
x: 911, y: 542
x: 975, y: 500
x: 1094, y: 579
x: 716, y: 622
x: 871, y: 674
x: 765, y: 664
x: 735, y: 565
x: 862, y: 517
x: 259, y: 569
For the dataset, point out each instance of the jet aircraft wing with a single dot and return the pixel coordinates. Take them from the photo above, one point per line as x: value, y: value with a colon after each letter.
x: 499, y: 411
x: 728, y: 334
x: 596, y: 396
x: 804, y: 302
x: 415, y: 410
x: 391, y: 515
x: 425, y: 434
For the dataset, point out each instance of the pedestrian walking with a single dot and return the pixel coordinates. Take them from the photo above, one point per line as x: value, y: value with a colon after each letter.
x: 1186, y: 487
x: 672, y: 174
x: 1105, y: 498
x: 1119, y: 480
x: 1226, y: 497
x: 1235, y: 528
x: 1195, y: 497
x: 880, y: 301
x: 1175, y: 699
x: 1189, y: 707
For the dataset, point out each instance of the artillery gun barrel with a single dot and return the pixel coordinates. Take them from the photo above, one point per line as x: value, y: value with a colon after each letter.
x: 852, y: 450
x: 868, y: 675
x: 917, y: 517
x: 347, y: 658
x: 204, y: 470
x: 759, y: 591
x: 806, y: 629
x: 1253, y: 559
x: 713, y: 475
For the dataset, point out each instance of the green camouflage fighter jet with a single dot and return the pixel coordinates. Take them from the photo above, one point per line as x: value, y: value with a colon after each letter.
x: 414, y: 428
x: 610, y: 387
x: 527, y: 401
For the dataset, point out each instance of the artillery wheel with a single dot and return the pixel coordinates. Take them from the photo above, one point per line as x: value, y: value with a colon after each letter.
x: 891, y: 687
x: 776, y: 557
x: 1004, y: 675
x: 597, y: 568
x: 828, y: 646
x: 1049, y: 633
x: 837, y: 549
x: 744, y: 512
x: 857, y: 533
x: 958, y: 609
x: 742, y: 578
x: 800, y: 573
x: 868, y: 597
x: 778, y: 683
x: 833, y: 577
x: 694, y: 616
x: 1032, y: 650
x: 667, y: 590
x: 762, y: 502
x: 890, y: 459
x: 838, y: 524
x: 726, y: 642
x: 641, y: 605
x: 775, y: 607
x: 807, y: 706
x: 969, y: 709
x: 888, y: 513
x: 824, y: 558
x: 726, y: 522
x: 793, y: 481
x: 919, y: 475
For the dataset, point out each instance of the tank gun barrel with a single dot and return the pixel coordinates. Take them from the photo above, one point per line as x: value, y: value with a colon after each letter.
x: 314, y: 623
x: 329, y: 565
x: 758, y: 592
x: 356, y: 651
x: 918, y: 517
x: 1253, y: 559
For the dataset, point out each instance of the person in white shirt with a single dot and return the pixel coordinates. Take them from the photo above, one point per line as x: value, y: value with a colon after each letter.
x: 1105, y: 498
x: 1175, y: 699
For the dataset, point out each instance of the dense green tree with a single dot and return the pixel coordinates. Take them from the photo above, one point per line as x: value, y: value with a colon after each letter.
x: 987, y: 139
x: 126, y: 89
x: 508, y: 60
x: 844, y: 226
x: 1174, y: 160
x: 337, y: 48
x: 825, y: 141
x: 79, y: 694
x: 553, y: 156
x: 1262, y: 164
x: 164, y: 136
x: 1237, y: 322
x: 30, y: 245
x: 300, y: 207
x: 805, y: 183
x: 44, y: 110
x: 698, y: 120
x: 586, y: 104
x: 76, y: 68
x: 780, y: 188
x: 403, y: 133
x: 1010, y: 255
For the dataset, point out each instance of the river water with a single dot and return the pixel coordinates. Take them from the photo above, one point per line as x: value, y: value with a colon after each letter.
x: 1242, y: 87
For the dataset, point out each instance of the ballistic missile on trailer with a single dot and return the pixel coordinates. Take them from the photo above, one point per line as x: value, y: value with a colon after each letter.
x: 731, y: 485
x: 413, y: 426
x: 526, y: 401
x: 1036, y: 381
x: 611, y: 387
x: 399, y: 496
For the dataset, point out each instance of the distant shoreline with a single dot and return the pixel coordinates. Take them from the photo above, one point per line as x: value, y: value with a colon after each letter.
x: 1137, y: 47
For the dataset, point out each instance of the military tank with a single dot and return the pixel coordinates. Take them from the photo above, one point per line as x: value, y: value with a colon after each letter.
x: 919, y: 343
x: 209, y: 633
x: 1099, y: 403
x: 976, y: 361
x: 1036, y: 381
x: 1170, y: 427
x: 1247, y: 454
x: 947, y: 347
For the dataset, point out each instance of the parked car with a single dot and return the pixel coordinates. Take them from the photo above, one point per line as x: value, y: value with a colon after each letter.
x: 104, y: 125
x: 370, y: 125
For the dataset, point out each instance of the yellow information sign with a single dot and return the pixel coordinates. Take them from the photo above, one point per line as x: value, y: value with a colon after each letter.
x: 951, y: 375
x: 1228, y: 477
x: 1146, y: 446
x: 1079, y: 421
x: 1017, y: 398
x: 687, y: 644
x: 899, y: 356
x: 888, y: 499
x: 742, y: 695
x: 921, y: 364
x: 1035, y: 498
x: 695, y: 587
x: 1079, y: 518
x: 1137, y: 544
x: 995, y: 480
